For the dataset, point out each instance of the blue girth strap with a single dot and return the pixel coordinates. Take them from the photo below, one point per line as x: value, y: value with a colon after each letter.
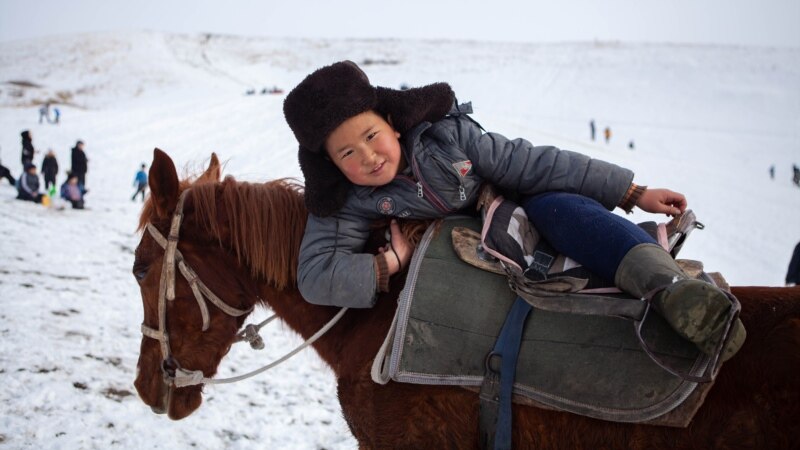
x: 497, y: 389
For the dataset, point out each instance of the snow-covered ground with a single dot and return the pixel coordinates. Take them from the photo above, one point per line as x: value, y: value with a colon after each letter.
x: 708, y: 121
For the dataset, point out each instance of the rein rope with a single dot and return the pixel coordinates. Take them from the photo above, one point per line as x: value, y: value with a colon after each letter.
x: 181, y: 377
x: 191, y: 377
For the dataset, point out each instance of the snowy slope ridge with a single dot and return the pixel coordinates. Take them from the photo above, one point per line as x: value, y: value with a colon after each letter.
x: 706, y: 120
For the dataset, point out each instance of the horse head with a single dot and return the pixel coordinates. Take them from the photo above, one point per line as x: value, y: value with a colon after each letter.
x: 178, y: 333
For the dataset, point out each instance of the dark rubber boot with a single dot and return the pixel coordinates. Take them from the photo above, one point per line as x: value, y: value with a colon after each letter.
x: 696, y: 310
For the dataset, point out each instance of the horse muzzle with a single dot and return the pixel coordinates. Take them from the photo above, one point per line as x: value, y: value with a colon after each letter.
x: 165, y: 387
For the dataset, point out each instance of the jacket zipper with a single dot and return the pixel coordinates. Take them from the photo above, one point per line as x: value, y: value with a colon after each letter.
x: 423, y: 189
x: 462, y: 195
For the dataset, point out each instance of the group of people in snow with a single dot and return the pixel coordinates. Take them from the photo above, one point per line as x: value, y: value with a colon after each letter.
x: 72, y: 190
x: 795, y: 174
x: 607, y: 134
x: 265, y: 90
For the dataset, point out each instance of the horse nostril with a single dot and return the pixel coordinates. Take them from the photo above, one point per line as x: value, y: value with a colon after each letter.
x: 158, y: 410
x: 169, y: 366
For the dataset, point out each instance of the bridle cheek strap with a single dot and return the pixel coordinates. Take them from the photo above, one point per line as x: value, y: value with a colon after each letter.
x: 166, y: 289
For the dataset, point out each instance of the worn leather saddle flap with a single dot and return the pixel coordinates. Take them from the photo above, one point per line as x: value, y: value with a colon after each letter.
x: 449, y: 316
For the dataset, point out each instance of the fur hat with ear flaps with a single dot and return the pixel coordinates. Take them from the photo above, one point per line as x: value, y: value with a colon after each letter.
x: 335, y: 93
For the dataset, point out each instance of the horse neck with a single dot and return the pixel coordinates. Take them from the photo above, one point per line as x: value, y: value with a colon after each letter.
x: 306, y: 319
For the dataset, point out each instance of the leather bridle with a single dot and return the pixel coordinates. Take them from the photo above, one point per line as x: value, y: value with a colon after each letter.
x: 166, y: 292
x: 173, y: 374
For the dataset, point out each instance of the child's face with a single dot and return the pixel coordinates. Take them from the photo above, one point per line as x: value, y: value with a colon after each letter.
x: 366, y: 149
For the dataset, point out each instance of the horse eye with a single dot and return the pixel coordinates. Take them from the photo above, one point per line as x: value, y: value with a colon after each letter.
x: 139, y: 270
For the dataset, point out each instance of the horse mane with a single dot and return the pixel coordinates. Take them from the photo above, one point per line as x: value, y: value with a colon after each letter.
x: 264, y: 222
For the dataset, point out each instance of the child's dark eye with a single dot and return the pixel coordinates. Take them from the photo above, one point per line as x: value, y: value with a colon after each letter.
x: 345, y: 154
x: 371, y: 136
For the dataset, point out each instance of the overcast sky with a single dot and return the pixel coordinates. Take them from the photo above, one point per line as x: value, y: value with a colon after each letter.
x: 738, y: 22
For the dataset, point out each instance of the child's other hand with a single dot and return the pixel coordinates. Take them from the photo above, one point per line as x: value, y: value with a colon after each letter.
x: 660, y: 201
x: 401, y: 256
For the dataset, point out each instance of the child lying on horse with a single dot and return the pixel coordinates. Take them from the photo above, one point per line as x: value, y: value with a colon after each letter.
x: 370, y: 152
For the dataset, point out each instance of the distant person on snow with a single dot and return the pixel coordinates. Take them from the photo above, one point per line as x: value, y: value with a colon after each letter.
x: 631, y: 145
x: 80, y: 165
x: 27, y: 148
x: 72, y: 191
x: 371, y: 153
x: 795, y: 174
x: 772, y: 172
x: 44, y: 112
x: 607, y: 133
x: 140, y: 181
x: 49, y: 169
x: 28, y: 185
x: 591, y: 128
x: 56, y: 115
x: 793, y: 274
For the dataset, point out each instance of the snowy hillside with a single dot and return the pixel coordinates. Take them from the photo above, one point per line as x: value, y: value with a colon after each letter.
x: 707, y: 121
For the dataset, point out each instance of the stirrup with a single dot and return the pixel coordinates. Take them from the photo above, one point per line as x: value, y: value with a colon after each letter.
x: 679, y: 228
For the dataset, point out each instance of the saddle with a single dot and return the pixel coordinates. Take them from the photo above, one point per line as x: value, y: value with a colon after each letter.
x: 450, y: 314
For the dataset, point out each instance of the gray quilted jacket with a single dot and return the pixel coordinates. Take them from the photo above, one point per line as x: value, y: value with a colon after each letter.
x: 448, y: 161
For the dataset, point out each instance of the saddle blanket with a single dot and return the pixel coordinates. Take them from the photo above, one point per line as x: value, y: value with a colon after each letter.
x: 450, y: 314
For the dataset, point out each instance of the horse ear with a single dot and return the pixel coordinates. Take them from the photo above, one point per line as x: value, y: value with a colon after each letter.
x: 164, y: 184
x: 214, y: 171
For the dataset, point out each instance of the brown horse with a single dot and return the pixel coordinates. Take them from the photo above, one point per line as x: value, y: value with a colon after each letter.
x: 243, y: 239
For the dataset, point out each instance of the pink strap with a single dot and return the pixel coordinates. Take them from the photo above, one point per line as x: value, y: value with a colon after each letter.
x: 662, y: 236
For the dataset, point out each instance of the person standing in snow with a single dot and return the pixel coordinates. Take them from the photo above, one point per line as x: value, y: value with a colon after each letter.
x: 44, y: 112
x: 28, y: 185
x: 140, y: 181
x: 27, y: 148
x: 49, y: 169
x: 80, y: 165
x: 607, y: 133
x: 591, y: 128
x: 793, y: 274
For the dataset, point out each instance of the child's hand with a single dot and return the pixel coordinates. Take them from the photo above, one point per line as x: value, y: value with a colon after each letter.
x: 398, y: 252
x: 664, y: 201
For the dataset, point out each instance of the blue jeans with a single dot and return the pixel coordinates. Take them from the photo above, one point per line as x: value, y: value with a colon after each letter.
x: 582, y: 229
